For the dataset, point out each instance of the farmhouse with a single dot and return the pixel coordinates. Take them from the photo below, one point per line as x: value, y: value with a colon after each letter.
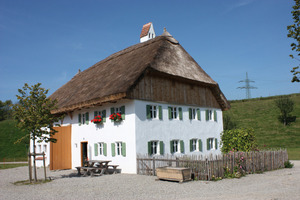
x: 151, y: 98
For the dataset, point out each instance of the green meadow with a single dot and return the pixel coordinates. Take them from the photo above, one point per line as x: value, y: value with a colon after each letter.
x: 261, y: 114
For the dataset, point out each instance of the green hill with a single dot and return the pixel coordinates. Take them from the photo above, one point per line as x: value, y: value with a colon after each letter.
x: 9, y: 134
x: 261, y: 115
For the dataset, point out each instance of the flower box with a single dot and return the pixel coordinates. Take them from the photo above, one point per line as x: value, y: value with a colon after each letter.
x: 97, y: 120
x: 116, y: 117
x: 179, y: 174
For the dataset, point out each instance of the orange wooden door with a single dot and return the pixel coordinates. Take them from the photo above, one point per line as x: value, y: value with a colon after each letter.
x: 60, y: 152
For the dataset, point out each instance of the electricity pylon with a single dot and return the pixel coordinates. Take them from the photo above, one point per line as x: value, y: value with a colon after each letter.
x: 247, y: 86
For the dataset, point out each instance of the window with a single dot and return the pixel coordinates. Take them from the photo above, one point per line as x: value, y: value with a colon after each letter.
x: 101, y: 113
x: 100, y: 148
x: 175, y: 112
x: 39, y: 150
x: 120, y: 110
x: 118, y: 148
x: 45, y: 148
x: 83, y: 118
x: 176, y: 146
x: 211, y: 115
x: 195, y: 145
x: 212, y: 143
x: 155, y: 148
x: 194, y: 114
x: 153, y: 112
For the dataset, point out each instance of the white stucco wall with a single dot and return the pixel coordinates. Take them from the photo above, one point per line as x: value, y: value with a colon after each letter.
x: 166, y: 130
x: 108, y: 133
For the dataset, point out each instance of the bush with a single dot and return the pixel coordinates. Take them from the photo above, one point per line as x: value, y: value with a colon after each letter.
x: 238, y: 140
x: 286, y: 106
x: 228, y: 122
x: 288, y: 164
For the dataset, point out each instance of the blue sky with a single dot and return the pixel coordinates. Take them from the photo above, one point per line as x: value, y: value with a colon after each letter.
x: 48, y: 41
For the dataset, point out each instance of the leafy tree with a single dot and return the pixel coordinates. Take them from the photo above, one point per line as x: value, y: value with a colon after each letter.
x: 294, y: 32
x: 33, y: 115
x: 286, y: 106
x: 239, y: 140
x: 5, y: 109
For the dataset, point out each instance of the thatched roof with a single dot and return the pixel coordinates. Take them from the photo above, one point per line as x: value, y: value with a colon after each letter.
x: 111, y: 78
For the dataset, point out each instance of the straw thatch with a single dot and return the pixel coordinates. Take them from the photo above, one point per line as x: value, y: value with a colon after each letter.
x: 112, y: 78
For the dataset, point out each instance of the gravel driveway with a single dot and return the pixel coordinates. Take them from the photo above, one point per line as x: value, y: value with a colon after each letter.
x: 279, y: 184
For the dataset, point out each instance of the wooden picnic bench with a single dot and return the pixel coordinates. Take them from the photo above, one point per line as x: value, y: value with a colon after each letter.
x: 90, y: 171
x: 114, y: 168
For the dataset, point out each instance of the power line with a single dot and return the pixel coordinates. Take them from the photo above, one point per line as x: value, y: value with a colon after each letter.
x: 247, y: 86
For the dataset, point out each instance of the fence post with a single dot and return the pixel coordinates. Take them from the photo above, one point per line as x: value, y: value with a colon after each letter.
x: 153, y: 168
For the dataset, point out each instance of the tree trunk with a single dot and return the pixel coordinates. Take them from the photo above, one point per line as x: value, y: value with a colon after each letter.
x: 34, y: 164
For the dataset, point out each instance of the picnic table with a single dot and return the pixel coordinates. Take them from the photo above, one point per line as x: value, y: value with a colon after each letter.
x: 93, y: 167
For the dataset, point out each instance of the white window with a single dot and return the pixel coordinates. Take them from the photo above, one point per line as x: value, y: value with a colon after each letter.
x: 119, y: 148
x: 101, y: 148
x: 210, y: 115
x: 154, y: 147
x: 193, y: 113
x: 45, y: 148
x: 194, y: 143
x: 39, y: 150
x: 176, y: 146
x: 83, y: 118
x: 211, y: 143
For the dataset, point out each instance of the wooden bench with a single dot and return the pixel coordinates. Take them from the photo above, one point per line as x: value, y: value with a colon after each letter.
x: 114, y: 168
x: 90, y: 170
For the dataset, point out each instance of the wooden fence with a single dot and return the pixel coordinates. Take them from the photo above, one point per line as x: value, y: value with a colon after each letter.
x: 208, y: 167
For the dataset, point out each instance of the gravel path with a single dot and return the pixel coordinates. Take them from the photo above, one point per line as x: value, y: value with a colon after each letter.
x: 274, y: 185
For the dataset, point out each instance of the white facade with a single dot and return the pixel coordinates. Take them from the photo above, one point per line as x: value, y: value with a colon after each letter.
x: 136, y: 131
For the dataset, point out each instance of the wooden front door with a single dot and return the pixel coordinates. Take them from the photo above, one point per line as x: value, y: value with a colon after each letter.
x: 60, y: 152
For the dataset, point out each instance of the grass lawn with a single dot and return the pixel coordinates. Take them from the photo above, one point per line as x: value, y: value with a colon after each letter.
x: 261, y: 115
x: 8, y: 166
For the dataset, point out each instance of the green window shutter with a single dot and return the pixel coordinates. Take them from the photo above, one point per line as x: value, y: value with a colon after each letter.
x: 148, y: 114
x: 207, y: 116
x: 180, y: 113
x: 181, y: 146
x: 207, y: 144
x: 172, y: 146
x: 104, y: 149
x: 191, y: 145
x: 95, y: 113
x: 149, y: 149
x: 96, y: 149
x: 216, y: 143
x: 124, y: 149
x: 190, y: 113
x: 161, y: 147
x: 123, y: 112
x: 113, y: 149
x: 79, y: 119
x: 160, y: 112
x: 87, y: 118
x: 104, y: 115
x: 198, y: 114
x: 170, y: 110
x: 200, y: 144
x: 215, y: 115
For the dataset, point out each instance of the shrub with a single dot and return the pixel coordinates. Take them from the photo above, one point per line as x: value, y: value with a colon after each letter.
x: 288, y: 164
x: 228, y: 122
x: 239, y: 140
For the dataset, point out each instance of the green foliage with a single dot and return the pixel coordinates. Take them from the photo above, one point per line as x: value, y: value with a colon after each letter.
x: 33, y: 115
x: 294, y: 33
x: 286, y: 106
x: 288, y: 164
x: 228, y: 122
x: 261, y: 115
x: 5, y: 110
x: 238, y: 140
x: 9, y: 134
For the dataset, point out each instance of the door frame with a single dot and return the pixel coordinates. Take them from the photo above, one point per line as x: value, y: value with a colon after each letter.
x: 81, y: 151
